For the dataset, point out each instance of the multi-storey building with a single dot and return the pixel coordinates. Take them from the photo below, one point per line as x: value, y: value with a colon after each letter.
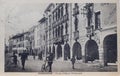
x: 58, y: 25
x: 95, y: 29
x: 19, y: 42
x: 32, y: 39
x: 40, y: 37
x: 86, y: 31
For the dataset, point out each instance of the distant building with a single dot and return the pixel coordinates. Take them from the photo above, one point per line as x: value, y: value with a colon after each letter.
x: 19, y: 42
x: 32, y: 39
x: 39, y: 37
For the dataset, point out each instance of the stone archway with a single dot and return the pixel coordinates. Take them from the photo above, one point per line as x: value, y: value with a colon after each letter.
x: 59, y: 51
x: 77, y: 51
x: 91, y: 51
x: 110, y: 49
x: 66, y: 51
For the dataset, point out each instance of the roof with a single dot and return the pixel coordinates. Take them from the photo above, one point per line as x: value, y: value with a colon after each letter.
x: 42, y: 20
x: 48, y: 7
x: 19, y: 35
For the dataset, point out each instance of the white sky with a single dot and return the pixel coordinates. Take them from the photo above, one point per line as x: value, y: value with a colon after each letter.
x: 20, y: 15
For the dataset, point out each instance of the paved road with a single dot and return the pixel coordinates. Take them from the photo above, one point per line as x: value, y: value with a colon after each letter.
x: 61, y: 66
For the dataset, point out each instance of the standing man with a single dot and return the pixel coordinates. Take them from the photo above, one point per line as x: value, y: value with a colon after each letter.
x: 73, y: 62
x: 50, y: 61
x: 23, y: 59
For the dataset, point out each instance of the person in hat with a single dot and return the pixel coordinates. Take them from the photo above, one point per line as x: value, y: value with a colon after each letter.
x: 23, y: 59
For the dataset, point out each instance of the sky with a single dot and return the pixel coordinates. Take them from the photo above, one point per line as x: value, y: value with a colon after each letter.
x: 18, y: 16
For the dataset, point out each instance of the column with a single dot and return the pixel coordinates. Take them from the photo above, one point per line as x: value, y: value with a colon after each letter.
x: 101, y: 56
x: 55, y: 52
x: 83, y: 50
x: 71, y: 51
x: 101, y: 51
x: 62, y: 52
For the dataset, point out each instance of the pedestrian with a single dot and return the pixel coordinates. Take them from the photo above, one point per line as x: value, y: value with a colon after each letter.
x: 14, y: 59
x: 73, y: 62
x: 50, y: 61
x: 34, y: 56
x: 23, y: 59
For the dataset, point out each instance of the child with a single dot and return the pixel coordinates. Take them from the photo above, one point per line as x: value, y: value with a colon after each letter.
x: 73, y: 62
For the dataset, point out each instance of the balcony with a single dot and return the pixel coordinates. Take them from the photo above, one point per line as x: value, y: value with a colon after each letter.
x: 57, y: 40
x: 75, y: 10
x: 90, y: 31
x: 66, y: 37
x: 76, y: 35
x: 61, y: 20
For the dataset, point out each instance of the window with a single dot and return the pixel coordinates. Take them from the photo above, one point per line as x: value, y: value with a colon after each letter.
x: 97, y: 20
x: 58, y: 13
x: 50, y: 20
x: 53, y: 16
x: 62, y: 11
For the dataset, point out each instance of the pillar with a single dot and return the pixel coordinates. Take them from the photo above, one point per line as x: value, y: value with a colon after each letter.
x: 55, y: 52
x: 62, y: 52
x: 101, y: 51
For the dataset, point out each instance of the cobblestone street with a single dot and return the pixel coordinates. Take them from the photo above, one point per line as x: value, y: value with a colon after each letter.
x: 60, y: 66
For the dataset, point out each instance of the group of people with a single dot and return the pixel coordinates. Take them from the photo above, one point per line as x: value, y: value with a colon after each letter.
x: 23, y: 56
x: 49, y: 60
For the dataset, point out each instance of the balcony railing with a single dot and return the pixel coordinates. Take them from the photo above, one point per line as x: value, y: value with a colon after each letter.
x: 90, y: 31
x: 66, y: 37
x: 76, y: 35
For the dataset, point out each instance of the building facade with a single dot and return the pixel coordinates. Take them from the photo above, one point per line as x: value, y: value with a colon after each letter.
x: 86, y: 31
x: 19, y: 42
x: 40, y: 37
x: 58, y: 25
x: 32, y: 39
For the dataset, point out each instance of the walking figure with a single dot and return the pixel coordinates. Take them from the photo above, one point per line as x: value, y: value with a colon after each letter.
x: 45, y: 67
x: 14, y: 59
x: 73, y: 62
x: 23, y: 59
x: 50, y: 61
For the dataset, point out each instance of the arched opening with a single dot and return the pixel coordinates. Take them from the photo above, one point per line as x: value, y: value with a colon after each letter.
x: 46, y: 51
x: 91, y: 51
x: 59, y: 51
x: 77, y: 51
x: 49, y: 49
x: 110, y: 49
x: 66, y: 51
x: 53, y: 51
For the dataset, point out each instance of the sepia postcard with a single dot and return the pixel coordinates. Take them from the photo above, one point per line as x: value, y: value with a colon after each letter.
x: 74, y: 37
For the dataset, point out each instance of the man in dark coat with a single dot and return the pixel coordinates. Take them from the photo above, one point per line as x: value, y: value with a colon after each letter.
x: 50, y: 61
x: 23, y: 59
